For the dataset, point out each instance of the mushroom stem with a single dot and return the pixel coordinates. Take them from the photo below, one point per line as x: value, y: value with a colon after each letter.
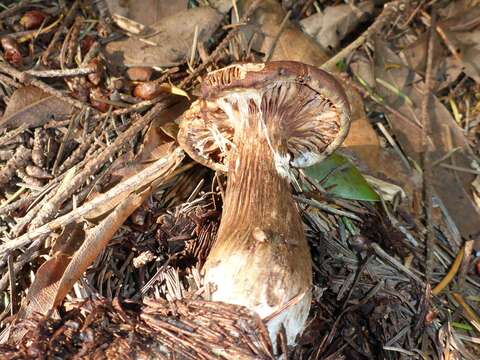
x: 261, y: 257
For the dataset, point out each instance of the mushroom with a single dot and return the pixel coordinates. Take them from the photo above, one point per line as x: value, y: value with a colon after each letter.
x: 254, y: 121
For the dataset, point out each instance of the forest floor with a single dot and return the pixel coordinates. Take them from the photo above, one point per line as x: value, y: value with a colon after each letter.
x: 105, y: 223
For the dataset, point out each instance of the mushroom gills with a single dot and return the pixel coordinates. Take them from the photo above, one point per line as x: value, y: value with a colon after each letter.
x: 237, y: 106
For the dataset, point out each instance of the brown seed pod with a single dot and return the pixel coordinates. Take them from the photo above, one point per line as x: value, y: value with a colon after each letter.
x: 33, y: 19
x: 96, y: 97
x: 86, y: 44
x: 140, y: 73
x: 11, y: 51
x: 148, y: 90
x: 97, y: 66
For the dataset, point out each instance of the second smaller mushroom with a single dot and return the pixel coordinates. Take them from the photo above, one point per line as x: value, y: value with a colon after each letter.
x: 255, y: 121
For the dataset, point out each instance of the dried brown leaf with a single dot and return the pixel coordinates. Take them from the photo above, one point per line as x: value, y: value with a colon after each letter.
x: 362, y: 146
x: 128, y: 170
x: 150, y: 12
x: 33, y: 107
x: 171, y: 41
x: 331, y: 26
x: 43, y: 290
x: 96, y: 240
x: 292, y: 44
x: 468, y: 45
x: 459, y: 30
x: 55, y: 278
x: 453, y: 188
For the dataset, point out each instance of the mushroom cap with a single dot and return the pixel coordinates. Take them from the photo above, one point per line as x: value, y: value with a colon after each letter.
x: 307, y: 107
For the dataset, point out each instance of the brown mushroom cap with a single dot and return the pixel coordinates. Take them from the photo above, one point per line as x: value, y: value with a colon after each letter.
x: 306, y: 106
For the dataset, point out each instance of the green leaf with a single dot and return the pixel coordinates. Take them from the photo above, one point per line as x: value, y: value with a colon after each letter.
x: 340, y: 178
x: 341, y: 65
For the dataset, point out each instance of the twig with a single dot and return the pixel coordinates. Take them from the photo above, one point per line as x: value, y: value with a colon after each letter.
x: 470, y: 314
x: 14, y: 9
x: 443, y: 36
x: 426, y: 161
x: 29, y: 255
x: 50, y: 208
x: 34, y: 208
x: 390, y: 10
x: 269, y: 54
x: 367, y: 93
x: 27, y: 79
x: 71, y: 128
x: 397, y: 264
x: 462, y: 169
x: 133, y: 108
x: 92, y: 52
x: 70, y: 42
x: 193, y: 51
x: 159, y: 169
x: 9, y: 205
x: 451, y: 273
x: 9, y: 81
x: 220, y: 46
x: 325, y: 207
x: 61, y: 73
x: 394, y: 144
x: 6, y: 138
x: 463, y: 273
x: 13, y: 290
x: 66, y: 22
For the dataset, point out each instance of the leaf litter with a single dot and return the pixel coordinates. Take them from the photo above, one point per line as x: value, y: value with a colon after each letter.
x: 105, y: 224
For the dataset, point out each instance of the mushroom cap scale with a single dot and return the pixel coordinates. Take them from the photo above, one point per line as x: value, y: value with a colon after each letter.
x: 305, y: 112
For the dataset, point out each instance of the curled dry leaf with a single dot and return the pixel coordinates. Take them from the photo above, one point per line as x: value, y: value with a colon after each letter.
x: 329, y: 27
x: 31, y: 107
x: 171, y: 39
x: 96, y: 240
x: 42, y: 291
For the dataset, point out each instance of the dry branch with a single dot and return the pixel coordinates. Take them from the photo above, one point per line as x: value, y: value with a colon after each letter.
x: 160, y: 169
